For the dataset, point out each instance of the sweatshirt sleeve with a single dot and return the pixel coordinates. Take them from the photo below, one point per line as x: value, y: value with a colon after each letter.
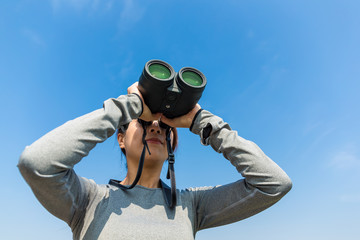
x: 47, y: 164
x: 263, y: 183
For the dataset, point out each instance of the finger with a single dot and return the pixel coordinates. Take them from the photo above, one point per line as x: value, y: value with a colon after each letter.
x: 168, y: 121
x: 148, y: 116
x: 156, y: 116
x: 134, y: 88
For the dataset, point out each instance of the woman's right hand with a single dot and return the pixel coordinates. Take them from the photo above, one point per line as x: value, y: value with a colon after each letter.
x: 146, y: 115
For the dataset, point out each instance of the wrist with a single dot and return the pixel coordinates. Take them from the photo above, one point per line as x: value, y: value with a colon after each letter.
x: 194, y: 119
x: 142, y: 104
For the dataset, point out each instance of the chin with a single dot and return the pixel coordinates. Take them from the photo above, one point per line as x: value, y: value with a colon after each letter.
x: 156, y: 158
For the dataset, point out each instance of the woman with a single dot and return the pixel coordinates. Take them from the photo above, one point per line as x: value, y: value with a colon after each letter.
x: 110, y: 212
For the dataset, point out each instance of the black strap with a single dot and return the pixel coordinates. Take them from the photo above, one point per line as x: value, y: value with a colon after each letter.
x: 171, y: 171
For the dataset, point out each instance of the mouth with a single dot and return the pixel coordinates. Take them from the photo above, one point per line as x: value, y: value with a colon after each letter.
x: 154, y: 141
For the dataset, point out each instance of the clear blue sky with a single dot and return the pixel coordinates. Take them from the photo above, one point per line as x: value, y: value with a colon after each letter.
x: 284, y: 74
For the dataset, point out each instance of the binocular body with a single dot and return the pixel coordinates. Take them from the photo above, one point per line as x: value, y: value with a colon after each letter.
x: 173, y: 94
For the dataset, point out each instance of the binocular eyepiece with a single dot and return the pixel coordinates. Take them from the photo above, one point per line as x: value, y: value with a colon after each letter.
x: 173, y: 94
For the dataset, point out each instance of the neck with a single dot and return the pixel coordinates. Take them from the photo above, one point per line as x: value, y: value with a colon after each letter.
x: 150, y: 176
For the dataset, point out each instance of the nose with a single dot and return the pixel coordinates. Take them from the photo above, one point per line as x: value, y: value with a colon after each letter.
x: 155, y: 127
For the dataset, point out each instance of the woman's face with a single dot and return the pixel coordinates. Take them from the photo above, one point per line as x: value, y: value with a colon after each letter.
x: 155, y: 138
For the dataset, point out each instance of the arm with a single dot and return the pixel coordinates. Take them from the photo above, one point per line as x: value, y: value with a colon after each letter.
x: 264, y: 182
x: 47, y: 165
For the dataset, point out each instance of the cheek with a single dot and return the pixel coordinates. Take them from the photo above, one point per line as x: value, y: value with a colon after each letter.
x: 133, y: 138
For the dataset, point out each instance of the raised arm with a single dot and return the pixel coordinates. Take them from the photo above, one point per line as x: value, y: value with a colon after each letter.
x: 47, y: 165
x: 264, y: 182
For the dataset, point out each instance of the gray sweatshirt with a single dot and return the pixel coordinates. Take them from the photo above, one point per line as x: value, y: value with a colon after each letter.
x: 107, y: 212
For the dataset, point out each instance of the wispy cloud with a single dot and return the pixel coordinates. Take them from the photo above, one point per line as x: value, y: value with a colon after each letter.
x: 92, y: 5
x: 77, y: 4
x: 321, y: 136
x: 347, y: 158
x: 250, y: 34
x: 350, y: 198
x: 129, y: 11
x: 121, y: 70
x: 34, y: 37
x: 130, y: 14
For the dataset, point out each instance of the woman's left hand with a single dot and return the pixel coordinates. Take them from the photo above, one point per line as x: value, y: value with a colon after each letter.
x: 183, y: 121
x: 146, y: 115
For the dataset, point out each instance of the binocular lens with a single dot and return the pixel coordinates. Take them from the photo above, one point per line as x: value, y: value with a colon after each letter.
x: 159, y: 71
x: 192, y: 78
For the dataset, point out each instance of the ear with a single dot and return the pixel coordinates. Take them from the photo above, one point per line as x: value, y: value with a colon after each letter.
x: 121, y: 140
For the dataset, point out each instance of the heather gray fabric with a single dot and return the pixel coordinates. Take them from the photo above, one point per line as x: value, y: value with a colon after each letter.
x: 106, y: 212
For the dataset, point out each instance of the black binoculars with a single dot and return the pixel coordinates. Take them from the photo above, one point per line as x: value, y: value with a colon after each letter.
x: 173, y: 94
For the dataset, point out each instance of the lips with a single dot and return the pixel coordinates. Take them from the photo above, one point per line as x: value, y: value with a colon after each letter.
x: 154, y: 140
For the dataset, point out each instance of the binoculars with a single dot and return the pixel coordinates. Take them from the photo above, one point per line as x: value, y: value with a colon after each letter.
x: 173, y: 94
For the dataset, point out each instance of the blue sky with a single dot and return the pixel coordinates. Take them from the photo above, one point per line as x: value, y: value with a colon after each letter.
x: 284, y: 74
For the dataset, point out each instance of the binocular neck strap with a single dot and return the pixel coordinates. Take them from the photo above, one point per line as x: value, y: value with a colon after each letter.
x: 141, y: 162
x: 171, y: 172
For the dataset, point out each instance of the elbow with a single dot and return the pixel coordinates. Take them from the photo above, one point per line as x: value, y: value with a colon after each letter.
x: 24, y: 159
x: 285, y: 185
x: 277, y: 187
x: 27, y: 163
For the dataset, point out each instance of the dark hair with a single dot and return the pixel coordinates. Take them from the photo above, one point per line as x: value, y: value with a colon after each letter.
x: 175, y: 139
